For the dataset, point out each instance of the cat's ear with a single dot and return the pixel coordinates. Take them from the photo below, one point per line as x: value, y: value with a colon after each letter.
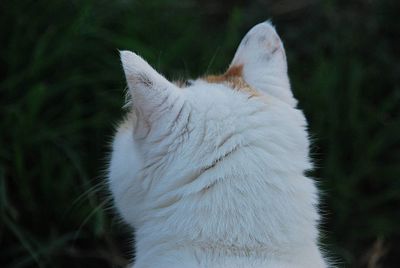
x: 150, y: 91
x: 261, y: 56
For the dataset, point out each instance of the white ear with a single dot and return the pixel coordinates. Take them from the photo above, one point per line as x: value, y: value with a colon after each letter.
x: 262, y: 55
x: 149, y: 90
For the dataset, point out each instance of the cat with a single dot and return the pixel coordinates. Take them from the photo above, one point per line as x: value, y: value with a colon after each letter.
x: 210, y: 173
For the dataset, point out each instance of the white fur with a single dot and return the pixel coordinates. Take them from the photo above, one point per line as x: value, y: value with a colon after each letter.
x: 209, y: 177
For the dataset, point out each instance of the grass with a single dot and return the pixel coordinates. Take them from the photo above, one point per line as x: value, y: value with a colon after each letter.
x: 61, y: 89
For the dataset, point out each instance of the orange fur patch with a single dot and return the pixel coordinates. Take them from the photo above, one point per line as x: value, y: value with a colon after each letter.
x: 234, y: 78
x: 232, y: 73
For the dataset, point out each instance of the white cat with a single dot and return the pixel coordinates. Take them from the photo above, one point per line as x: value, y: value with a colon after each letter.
x: 211, y: 174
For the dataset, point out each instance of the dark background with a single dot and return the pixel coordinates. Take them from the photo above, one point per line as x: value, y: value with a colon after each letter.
x: 62, y: 88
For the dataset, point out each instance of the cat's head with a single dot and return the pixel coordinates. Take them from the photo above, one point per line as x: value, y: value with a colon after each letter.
x: 180, y: 140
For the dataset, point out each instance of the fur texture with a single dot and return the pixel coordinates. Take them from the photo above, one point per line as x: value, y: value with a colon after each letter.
x: 212, y: 175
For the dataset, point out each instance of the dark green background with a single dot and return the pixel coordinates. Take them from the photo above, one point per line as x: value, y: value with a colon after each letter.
x: 61, y: 89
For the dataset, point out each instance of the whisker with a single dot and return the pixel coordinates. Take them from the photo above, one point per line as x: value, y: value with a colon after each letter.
x: 212, y: 59
x: 98, y: 187
x: 89, y: 216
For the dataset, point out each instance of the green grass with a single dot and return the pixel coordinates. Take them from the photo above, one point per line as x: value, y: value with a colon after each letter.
x: 61, y: 89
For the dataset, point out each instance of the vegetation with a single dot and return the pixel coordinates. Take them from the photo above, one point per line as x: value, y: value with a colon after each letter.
x: 61, y: 89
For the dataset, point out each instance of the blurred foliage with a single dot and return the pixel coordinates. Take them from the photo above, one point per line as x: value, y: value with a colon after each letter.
x: 61, y: 89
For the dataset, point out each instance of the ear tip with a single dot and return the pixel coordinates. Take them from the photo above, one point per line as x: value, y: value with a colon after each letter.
x: 266, y: 26
x: 131, y: 61
x: 269, y: 22
x: 126, y: 55
x: 125, y: 52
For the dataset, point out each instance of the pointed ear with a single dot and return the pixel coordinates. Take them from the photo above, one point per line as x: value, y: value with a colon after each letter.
x: 151, y: 92
x: 262, y: 58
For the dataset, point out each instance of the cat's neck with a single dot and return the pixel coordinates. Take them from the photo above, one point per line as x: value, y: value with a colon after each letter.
x: 271, y: 220
x: 175, y: 252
